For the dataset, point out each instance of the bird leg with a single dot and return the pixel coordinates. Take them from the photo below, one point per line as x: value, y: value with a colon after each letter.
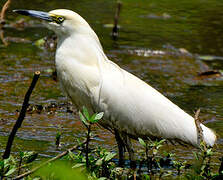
x: 121, y: 147
x: 130, y: 150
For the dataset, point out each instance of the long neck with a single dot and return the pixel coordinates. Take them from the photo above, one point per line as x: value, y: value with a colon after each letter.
x: 83, y: 48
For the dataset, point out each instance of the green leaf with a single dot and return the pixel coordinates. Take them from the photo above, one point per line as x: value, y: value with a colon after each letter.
x: 159, y: 146
x: 109, y: 156
x: 99, y: 162
x: 99, y: 116
x: 30, y: 156
x: 195, y: 155
x: 12, y: 170
x: 162, y: 141
x: 39, y: 43
x: 102, y: 178
x: 35, y: 178
x: 58, y: 135
x: 96, y: 117
x: 209, y: 152
x: 83, y: 119
x: 71, y: 155
x: 146, y: 176
x: 21, y: 154
x: 92, y: 118
x: 142, y: 142
x: 78, y: 165
x: 155, y: 151
x: 85, y: 112
x: 2, y: 163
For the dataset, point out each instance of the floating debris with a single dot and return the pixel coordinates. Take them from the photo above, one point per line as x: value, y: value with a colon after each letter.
x: 146, y: 52
x: 35, y: 108
x: 50, y: 108
x: 111, y: 26
x: 17, y: 40
x: 155, y: 16
x: 209, y: 74
x: 209, y: 57
x: 149, y: 52
x: 20, y: 24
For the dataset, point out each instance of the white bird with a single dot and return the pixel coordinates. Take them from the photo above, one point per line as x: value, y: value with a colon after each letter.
x: 131, y: 107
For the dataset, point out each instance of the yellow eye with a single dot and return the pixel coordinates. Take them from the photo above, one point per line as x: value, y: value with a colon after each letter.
x: 58, y: 19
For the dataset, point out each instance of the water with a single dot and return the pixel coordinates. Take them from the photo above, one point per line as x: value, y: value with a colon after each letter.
x: 151, y: 35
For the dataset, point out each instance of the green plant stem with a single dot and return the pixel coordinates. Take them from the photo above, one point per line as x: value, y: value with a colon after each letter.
x: 20, y: 165
x: 147, y: 159
x: 87, y: 144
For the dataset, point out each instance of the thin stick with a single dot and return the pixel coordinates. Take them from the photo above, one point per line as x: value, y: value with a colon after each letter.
x: 2, y: 21
x: 21, y: 116
x: 117, y: 13
x: 200, y: 136
x: 4, y: 9
x: 50, y: 160
x: 2, y: 37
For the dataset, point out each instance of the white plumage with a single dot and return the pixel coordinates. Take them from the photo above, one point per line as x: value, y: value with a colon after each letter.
x: 131, y: 107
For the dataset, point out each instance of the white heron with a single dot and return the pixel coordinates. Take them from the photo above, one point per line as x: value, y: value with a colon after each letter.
x: 131, y: 107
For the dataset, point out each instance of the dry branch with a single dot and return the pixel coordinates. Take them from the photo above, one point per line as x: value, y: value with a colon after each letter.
x: 2, y: 37
x: 2, y: 21
x: 50, y: 160
x: 21, y: 116
x: 200, y: 137
x: 3, y: 11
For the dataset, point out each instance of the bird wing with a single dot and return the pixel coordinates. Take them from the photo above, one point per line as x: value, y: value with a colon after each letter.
x: 134, y: 107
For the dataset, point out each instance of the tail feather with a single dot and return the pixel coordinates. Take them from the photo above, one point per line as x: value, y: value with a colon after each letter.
x: 208, y: 135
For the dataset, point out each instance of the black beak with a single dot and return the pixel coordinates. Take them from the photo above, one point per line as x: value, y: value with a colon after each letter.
x: 37, y: 14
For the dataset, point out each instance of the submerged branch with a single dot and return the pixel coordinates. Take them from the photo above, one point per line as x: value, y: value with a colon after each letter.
x: 21, y: 116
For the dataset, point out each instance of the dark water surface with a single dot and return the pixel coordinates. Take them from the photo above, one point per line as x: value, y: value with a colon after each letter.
x: 160, y: 41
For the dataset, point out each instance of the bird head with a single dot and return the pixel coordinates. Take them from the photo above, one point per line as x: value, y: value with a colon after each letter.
x: 61, y: 21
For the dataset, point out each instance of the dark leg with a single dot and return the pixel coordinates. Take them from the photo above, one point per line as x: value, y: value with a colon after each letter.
x: 130, y: 150
x: 120, y: 148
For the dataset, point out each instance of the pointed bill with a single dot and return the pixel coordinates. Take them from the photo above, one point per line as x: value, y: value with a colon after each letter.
x: 37, y: 14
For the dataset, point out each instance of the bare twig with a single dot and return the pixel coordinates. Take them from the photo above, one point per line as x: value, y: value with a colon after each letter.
x: 2, y: 21
x: 50, y: 160
x: 115, y: 28
x: 3, y: 11
x: 200, y: 137
x: 21, y: 115
x: 2, y: 37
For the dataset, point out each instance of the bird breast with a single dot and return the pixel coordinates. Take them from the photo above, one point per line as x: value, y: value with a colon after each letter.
x: 78, y: 72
